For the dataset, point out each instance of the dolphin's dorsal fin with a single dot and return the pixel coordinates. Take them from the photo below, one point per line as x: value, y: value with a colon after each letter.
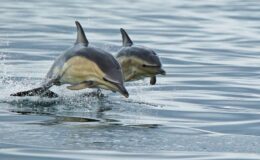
x: 81, y: 38
x: 126, y: 40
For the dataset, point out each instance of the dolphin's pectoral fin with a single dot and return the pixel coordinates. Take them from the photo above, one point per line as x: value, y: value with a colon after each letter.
x: 153, y: 80
x: 82, y: 85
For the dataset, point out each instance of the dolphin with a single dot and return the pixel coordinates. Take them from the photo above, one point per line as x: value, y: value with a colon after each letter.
x: 138, y: 62
x: 82, y: 66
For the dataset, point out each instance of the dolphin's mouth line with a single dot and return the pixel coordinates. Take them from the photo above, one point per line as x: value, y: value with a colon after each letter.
x: 157, y: 67
x: 114, y: 83
x: 121, y: 89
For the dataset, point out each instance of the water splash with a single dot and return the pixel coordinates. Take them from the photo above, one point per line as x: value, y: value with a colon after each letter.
x: 3, y: 55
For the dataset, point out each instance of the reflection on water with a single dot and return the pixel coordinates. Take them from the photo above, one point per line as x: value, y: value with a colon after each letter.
x: 207, y: 107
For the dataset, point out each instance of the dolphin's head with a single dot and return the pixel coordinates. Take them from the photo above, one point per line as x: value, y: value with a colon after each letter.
x: 111, y: 76
x: 137, y: 61
x: 140, y: 62
x: 113, y: 80
x: 106, y: 70
x: 147, y: 61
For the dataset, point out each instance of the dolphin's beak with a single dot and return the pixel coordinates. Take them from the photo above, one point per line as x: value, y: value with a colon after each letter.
x: 161, y: 71
x: 122, y: 90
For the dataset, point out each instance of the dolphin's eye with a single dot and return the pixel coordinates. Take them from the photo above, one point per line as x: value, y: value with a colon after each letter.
x: 151, y: 66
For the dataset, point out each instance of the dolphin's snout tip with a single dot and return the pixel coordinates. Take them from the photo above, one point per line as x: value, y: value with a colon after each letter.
x: 126, y: 94
x: 162, y: 72
x: 122, y: 90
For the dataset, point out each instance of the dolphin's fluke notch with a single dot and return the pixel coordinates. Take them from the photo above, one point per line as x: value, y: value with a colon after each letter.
x: 41, y: 91
x: 81, y: 38
x: 126, y: 39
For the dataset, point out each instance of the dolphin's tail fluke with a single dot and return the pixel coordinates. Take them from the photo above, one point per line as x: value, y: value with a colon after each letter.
x: 41, y: 91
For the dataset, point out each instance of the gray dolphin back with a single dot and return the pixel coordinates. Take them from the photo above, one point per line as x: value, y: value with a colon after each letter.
x: 126, y: 39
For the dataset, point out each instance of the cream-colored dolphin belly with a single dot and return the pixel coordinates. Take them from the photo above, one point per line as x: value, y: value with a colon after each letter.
x: 131, y: 68
x: 78, y: 69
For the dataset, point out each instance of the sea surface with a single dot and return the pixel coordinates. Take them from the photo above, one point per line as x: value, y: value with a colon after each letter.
x: 207, y: 107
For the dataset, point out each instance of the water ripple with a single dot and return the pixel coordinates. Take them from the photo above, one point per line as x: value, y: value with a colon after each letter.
x: 207, y: 107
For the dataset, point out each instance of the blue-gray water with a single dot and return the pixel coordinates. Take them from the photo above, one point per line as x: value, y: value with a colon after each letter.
x: 207, y: 107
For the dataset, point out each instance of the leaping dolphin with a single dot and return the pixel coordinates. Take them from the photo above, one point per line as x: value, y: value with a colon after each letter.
x: 82, y: 66
x: 138, y: 62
